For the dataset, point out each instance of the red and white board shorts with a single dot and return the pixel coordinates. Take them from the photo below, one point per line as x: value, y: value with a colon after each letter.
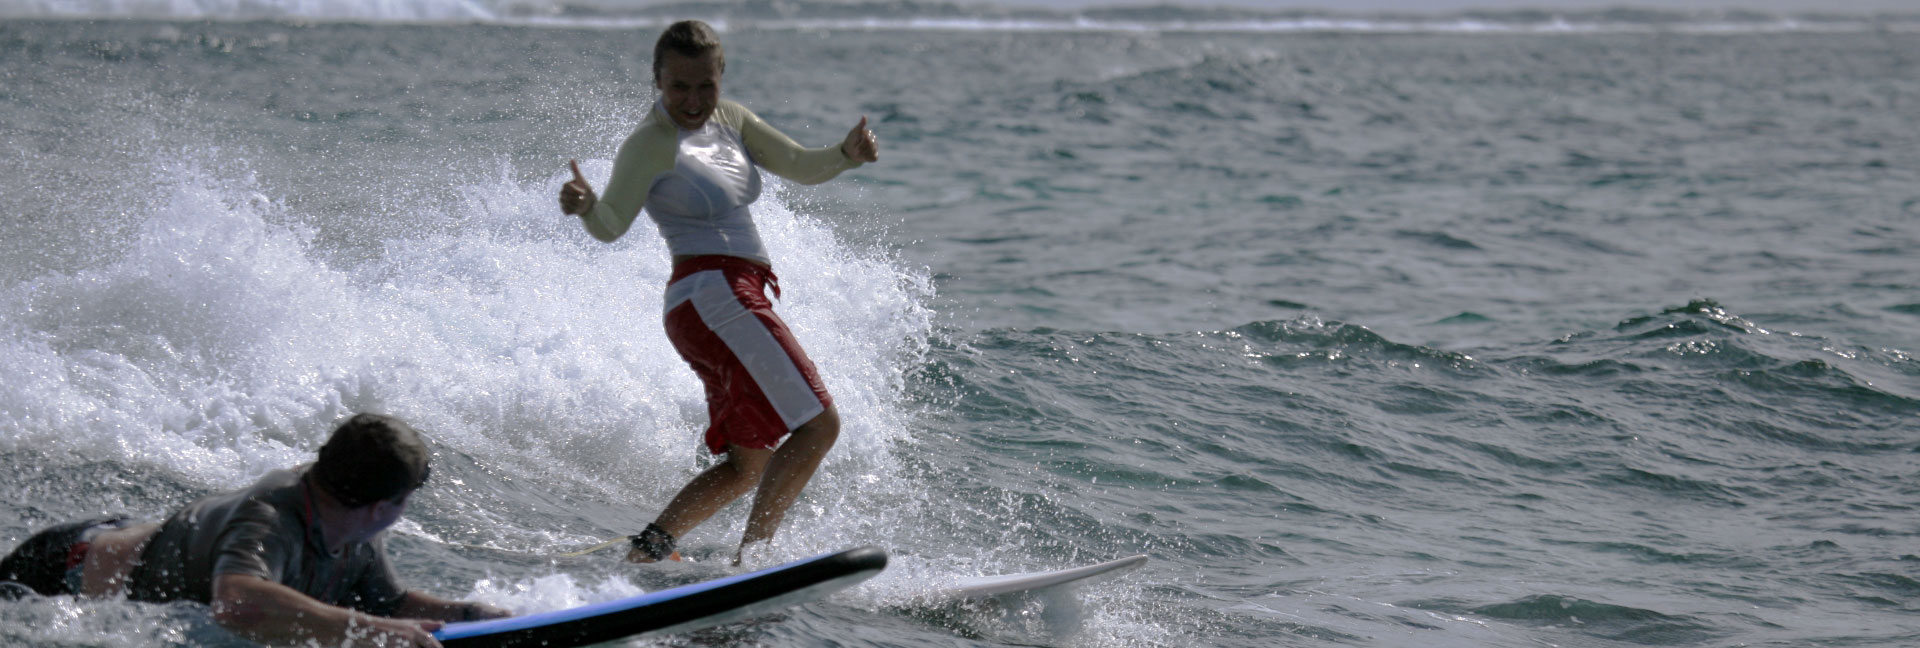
x: 760, y: 384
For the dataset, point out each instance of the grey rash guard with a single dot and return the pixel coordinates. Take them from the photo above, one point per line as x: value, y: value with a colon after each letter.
x: 266, y: 530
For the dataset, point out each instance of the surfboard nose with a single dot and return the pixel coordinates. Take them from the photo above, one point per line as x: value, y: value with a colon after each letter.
x: 868, y: 557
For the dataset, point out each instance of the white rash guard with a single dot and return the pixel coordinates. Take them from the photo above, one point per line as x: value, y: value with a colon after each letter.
x: 696, y: 185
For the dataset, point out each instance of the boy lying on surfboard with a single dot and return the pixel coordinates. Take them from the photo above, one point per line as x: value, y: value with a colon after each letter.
x: 298, y: 557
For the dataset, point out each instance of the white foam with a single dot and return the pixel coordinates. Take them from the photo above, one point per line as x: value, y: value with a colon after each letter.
x: 192, y: 350
x: 224, y: 341
x: 548, y: 593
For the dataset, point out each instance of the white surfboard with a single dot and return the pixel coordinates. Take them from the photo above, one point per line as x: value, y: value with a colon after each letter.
x: 988, y: 586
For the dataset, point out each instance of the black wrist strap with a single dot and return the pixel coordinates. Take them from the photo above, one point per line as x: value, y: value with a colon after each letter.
x: 655, y: 542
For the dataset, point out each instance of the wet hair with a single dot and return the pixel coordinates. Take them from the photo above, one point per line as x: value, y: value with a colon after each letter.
x: 371, y: 458
x: 689, y: 38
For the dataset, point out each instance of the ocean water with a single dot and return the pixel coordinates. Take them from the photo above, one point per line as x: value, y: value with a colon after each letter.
x: 1499, y: 329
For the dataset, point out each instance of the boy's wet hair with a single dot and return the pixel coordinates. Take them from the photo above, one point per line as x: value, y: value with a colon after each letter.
x: 370, y: 458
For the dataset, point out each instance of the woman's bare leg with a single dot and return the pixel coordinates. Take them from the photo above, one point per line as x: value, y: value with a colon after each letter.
x: 707, y: 493
x: 787, y: 474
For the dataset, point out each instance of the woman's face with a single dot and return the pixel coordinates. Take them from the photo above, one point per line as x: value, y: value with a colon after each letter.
x: 689, y: 87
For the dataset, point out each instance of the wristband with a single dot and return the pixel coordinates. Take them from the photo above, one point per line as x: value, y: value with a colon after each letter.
x: 655, y: 542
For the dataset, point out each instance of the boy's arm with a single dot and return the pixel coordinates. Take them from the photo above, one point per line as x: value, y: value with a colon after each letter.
x: 271, y: 613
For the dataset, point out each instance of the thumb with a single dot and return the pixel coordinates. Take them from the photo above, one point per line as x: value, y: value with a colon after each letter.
x: 577, y: 177
x: 862, y: 125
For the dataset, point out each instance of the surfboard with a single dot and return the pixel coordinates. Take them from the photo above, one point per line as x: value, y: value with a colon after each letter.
x: 1035, y: 604
x: 677, y: 609
x: 988, y: 586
